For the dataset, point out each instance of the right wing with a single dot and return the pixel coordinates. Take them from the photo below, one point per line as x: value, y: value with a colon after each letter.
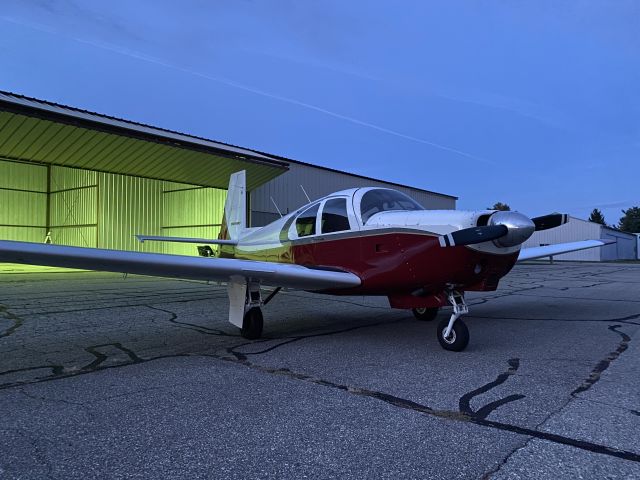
x: 177, y: 266
x: 557, y: 249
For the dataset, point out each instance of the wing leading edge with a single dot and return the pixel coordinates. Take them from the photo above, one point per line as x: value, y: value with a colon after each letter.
x: 548, y: 250
x: 176, y: 266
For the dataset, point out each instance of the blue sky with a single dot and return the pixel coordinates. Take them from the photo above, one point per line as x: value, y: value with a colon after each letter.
x: 533, y: 103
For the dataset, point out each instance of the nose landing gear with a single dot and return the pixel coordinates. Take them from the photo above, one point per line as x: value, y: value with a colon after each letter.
x: 453, y: 334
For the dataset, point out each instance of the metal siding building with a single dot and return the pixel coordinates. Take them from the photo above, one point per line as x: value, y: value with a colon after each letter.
x: 577, y: 229
x: 80, y: 178
x: 287, y: 191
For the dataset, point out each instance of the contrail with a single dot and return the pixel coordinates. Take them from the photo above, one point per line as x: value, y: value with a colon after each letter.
x: 246, y: 88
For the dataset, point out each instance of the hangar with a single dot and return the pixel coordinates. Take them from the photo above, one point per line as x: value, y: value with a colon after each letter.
x: 625, y: 246
x: 74, y: 177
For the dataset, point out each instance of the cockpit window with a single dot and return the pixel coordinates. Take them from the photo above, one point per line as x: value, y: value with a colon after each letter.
x: 306, y: 222
x: 334, y: 216
x: 375, y: 201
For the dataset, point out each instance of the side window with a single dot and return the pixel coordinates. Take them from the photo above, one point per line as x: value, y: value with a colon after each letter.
x: 334, y: 216
x: 306, y: 222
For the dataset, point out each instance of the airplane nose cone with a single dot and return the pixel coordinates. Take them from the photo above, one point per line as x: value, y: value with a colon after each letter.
x: 520, y: 228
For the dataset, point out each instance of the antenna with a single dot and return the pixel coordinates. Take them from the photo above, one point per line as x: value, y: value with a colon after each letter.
x: 305, y: 193
x: 275, y: 205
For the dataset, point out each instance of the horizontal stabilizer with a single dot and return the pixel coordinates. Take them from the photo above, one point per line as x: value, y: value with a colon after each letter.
x: 548, y: 250
x: 205, y: 241
x: 176, y: 266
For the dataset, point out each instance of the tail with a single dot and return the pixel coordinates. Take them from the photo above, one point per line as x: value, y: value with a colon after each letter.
x: 235, y: 208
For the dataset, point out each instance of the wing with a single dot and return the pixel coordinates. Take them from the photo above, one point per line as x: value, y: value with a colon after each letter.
x: 177, y: 266
x: 206, y: 241
x: 548, y: 250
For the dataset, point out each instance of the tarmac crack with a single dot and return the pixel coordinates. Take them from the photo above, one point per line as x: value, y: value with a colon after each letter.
x: 101, y: 357
x: 173, y: 318
x: 17, y: 321
x: 483, y: 412
x: 289, y: 340
x: 603, y: 364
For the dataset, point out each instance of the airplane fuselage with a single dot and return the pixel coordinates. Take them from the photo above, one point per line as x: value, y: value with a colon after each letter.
x: 395, y: 253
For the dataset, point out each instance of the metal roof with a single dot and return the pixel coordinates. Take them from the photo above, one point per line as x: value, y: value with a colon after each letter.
x: 356, y: 175
x: 38, y: 131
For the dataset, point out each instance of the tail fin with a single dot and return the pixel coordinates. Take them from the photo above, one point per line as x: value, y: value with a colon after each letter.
x: 235, y: 208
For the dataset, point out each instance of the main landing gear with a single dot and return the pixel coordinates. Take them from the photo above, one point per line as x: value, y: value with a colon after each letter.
x: 245, y: 307
x: 425, y: 314
x: 453, y: 334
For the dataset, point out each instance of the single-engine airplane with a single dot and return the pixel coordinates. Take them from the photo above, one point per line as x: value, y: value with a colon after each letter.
x: 361, y: 241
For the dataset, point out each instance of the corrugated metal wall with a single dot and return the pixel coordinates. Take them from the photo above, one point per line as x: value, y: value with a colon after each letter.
x: 127, y: 206
x: 319, y: 182
x: 23, y: 201
x: 572, y: 231
x: 73, y: 207
x: 132, y: 205
x: 623, y: 249
x: 190, y: 211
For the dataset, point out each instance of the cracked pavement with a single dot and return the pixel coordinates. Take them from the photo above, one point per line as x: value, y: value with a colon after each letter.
x: 102, y: 376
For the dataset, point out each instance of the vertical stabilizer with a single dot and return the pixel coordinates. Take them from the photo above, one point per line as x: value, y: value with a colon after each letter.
x: 235, y: 208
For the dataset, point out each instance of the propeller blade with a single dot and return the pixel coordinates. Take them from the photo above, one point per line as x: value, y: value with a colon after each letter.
x: 469, y: 236
x: 552, y: 220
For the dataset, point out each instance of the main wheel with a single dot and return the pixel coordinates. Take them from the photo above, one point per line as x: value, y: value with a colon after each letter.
x: 458, y: 338
x: 252, y: 324
x: 425, y: 314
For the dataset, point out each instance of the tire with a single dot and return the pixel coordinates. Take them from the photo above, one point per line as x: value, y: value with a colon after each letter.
x: 458, y: 338
x: 252, y: 324
x: 425, y: 314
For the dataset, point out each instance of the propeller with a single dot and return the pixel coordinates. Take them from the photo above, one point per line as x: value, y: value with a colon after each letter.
x: 506, y: 229
x: 552, y: 220
x: 469, y: 236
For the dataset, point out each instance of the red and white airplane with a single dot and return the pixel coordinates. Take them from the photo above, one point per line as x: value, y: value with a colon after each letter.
x: 361, y: 241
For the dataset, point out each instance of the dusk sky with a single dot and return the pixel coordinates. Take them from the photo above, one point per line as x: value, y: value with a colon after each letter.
x: 532, y: 103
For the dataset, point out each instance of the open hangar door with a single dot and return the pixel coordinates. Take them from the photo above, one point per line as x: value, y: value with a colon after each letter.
x: 85, y: 208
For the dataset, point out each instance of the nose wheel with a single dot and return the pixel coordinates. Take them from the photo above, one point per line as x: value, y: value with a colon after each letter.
x: 458, y: 337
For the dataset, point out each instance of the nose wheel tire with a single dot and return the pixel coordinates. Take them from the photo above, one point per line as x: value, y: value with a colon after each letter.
x: 458, y: 338
x: 425, y: 314
x: 252, y: 324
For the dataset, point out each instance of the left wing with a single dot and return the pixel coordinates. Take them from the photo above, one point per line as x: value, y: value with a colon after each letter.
x: 177, y: 266
x: 548, y: 250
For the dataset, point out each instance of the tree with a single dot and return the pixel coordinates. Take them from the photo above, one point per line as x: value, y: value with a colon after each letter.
x: 500, y: 206
x: 630, y: 221
x: 597, y: 217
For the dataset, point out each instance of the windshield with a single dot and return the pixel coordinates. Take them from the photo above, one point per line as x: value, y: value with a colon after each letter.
x: 375, y: 201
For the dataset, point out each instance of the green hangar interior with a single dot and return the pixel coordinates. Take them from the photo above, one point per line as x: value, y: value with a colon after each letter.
x: 74, y: 177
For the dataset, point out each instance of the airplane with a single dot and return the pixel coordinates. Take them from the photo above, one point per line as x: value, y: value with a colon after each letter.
x: 361, y: 241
